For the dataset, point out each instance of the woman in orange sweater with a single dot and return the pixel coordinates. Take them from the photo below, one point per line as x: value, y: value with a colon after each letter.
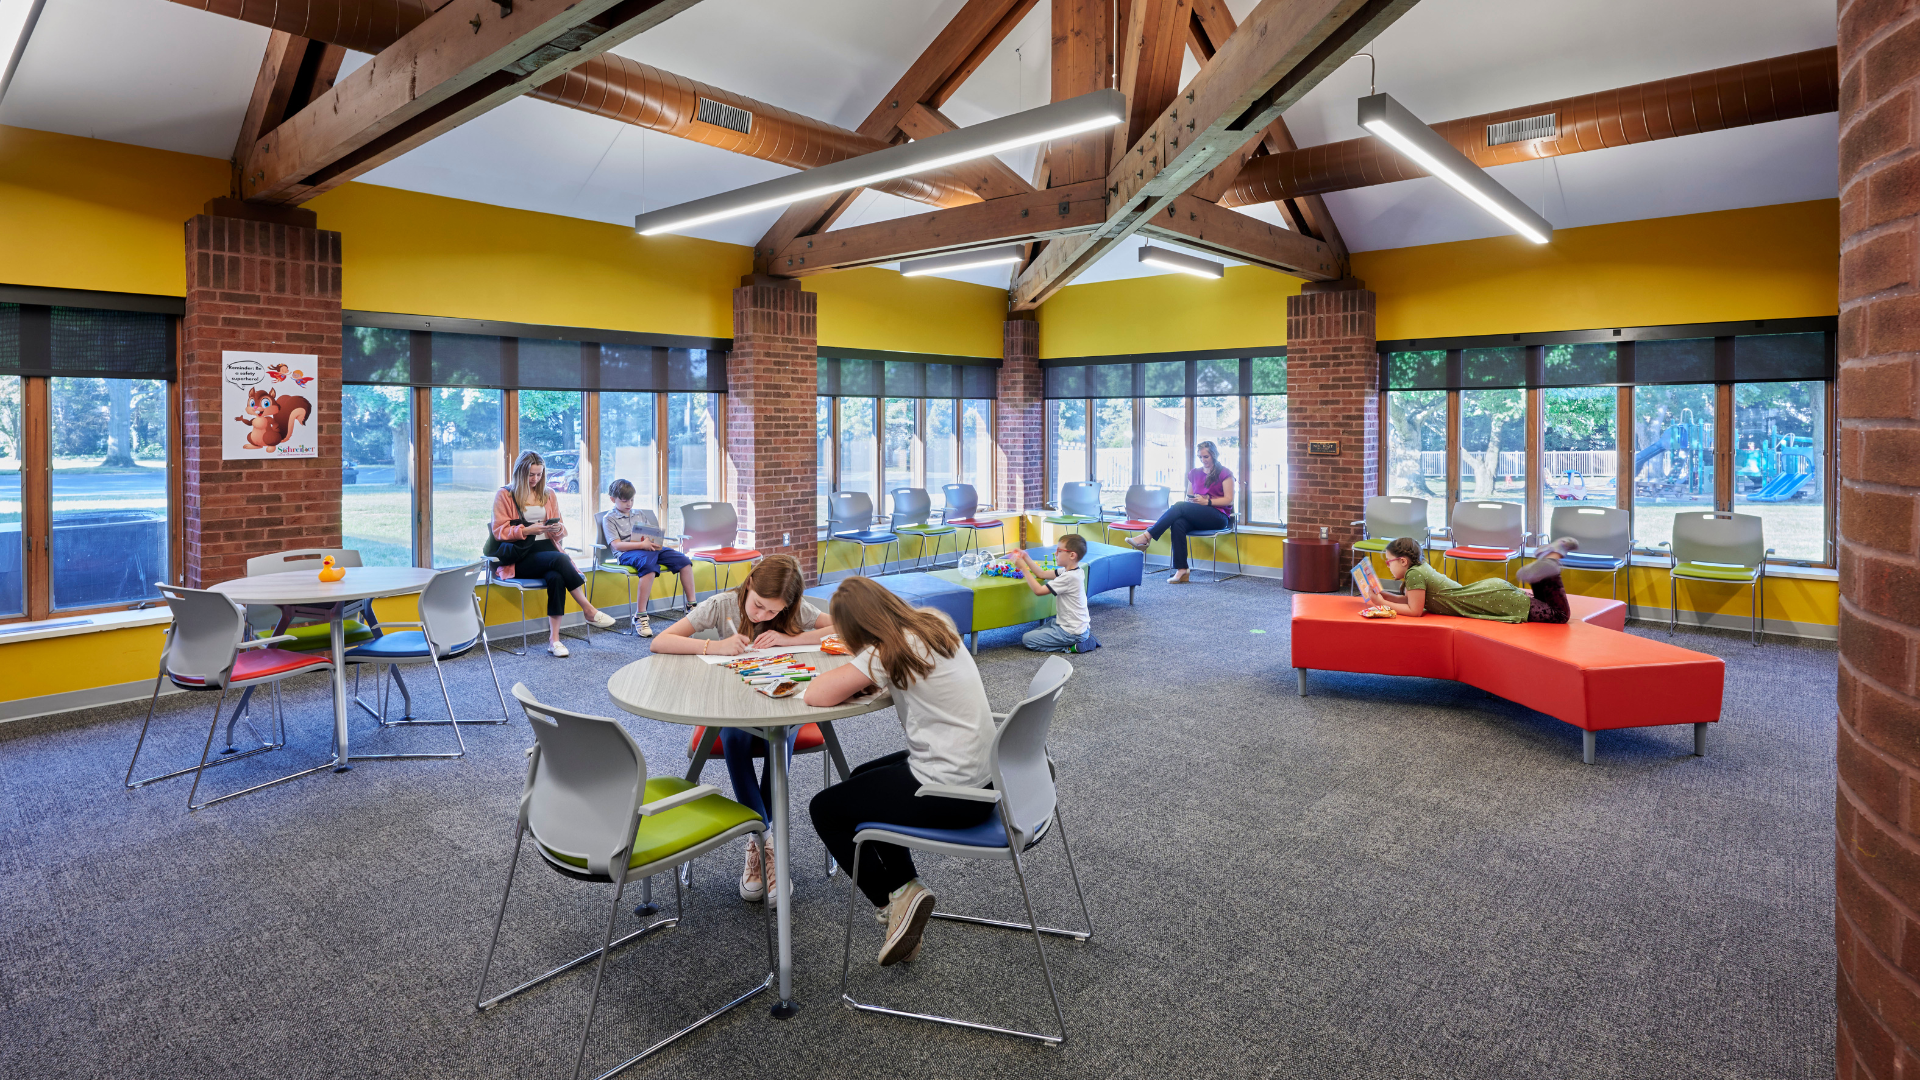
x: 527, y: 517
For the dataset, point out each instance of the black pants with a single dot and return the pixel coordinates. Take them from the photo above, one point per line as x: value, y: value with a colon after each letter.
x: 883, y: 790
x: 560, y: 573
x: 1182, y: 518
x: 1549, y: 603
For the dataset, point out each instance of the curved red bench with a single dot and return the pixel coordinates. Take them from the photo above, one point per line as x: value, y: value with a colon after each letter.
x: 1589, y: 672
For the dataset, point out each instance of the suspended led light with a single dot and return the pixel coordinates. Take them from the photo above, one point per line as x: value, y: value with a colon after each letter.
x: 1186, y: 264
x: 1403, y: 131
x: 961, y: 260
x: 1088, y: 112
x: 17, y: 18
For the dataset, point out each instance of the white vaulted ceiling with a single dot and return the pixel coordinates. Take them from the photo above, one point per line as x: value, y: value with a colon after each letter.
x: 158, y: 74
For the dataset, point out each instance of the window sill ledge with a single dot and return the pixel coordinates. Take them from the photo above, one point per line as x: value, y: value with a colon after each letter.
x: 69, y: 625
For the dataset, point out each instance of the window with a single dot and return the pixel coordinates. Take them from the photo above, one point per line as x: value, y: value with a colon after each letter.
x: 469, y: 454
x: 13, y: 585
x: 1113, y: 447
x: 1166, y: 456
x: 1066, y: 444
x: 1780, y: 437
x: 858, y: 448
x: 903, y: 437
x: 1217, y: 420
x: 1267, y: 460
x: 1580, y: 446
x: 108, y: 442
x: 976, y: 448
x: 942, y: 448
x: 550, y: 425
x: 693, y: 453
x: 823, y: 454
x: 1493, y: 445
x: 630, y: 447
x: 376, y: 475
x: 903, y: 423
x: 1417, y: 450
x: 1673, y: 467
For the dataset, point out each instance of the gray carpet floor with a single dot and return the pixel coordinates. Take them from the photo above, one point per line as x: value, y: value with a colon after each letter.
x: 1387, y: 878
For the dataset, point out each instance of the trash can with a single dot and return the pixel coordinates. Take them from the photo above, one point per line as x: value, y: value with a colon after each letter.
x: 1311, y: 565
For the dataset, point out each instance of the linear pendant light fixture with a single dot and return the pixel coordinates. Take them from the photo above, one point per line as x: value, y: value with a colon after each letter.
x: 961, y: 260
x: 1186, y: 264
x: 1088, y: 112
x: 17, y: 19
x: 1403, y: 131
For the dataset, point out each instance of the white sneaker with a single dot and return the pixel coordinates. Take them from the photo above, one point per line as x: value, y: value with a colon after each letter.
x: 646, y: 627
x: 906, y: 919
x: 753, y: 886
x: 601, y: 619
x: 557, y: 648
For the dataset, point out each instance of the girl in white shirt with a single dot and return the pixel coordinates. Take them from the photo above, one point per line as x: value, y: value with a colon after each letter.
x: 918, y: 657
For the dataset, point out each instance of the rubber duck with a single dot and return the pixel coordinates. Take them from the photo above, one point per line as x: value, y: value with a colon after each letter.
x: 330, y: 572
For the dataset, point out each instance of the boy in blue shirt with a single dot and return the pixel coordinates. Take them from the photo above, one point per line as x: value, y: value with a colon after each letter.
x: 635, y: 537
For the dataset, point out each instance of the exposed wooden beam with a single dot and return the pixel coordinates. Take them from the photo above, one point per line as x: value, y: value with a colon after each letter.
x: 1150, y: 58
x: 1285, y: 49
x: 989, y: 176
x: 294, y: 71
x: 466, y: 58
x: 1082, y: 63
x: 1197, y: 223
x: 1013, y: 219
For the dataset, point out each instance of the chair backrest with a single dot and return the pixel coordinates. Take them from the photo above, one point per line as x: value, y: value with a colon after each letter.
x: 583, y: 788
x: 448, y: 612
x: 1731, y: 539
x: 301, y: 559
x: 1390, y: 517
x: 601, y: 552
x: 849, y: 511
x: 962, y: 501
x: 1051, y: 677
x: 205, y: 636
x: 1146, y: 502
x: 710, y: 524
x: 1020, y: 770
x: 1478, y: 523
x: 1601, y: 530
x: 1081, y: 498
x: 911, y: 506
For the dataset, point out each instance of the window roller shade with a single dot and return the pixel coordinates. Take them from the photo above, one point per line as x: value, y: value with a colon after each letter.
x: 874, y: 375
x: 381, y: 355
x: 1800, y: 350
x: 1211, y: 376
x: 87, y: 343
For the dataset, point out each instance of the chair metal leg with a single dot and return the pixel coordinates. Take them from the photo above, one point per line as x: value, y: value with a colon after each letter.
x: 1673, y: 604
x: 199, y: 770
x: 130, y: 782
x: 451, y: 719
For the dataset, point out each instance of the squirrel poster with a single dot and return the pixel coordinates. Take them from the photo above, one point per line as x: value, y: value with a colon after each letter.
x: 267, y: 417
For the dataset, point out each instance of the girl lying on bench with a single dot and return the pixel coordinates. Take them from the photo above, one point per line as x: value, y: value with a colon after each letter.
x: 1429, y: 590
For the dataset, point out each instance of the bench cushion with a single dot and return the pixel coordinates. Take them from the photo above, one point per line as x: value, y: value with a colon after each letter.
x: 918, y: 590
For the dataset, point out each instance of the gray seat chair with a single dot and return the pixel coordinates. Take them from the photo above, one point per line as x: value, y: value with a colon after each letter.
x: 1141, y: 511
x: 449, y: 627
x: 309, y: 626
x: 1605, y: 534
x: 1027, y: 809
x: 206, y: 649
x: 1728, y: 549
x: 607, y: 561
x: 712, y: 530
x: 521, y: 587
x: 850, y: 519
x: 1486, y: 531
x: 912, y: 516
x: 962, y: 512
x: 1079, y: 505
x: 595, y: 816
x: 1390, y: 517
x: 1215, y: 535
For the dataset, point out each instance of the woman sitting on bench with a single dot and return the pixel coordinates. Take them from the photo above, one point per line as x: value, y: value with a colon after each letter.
x: 1429, y: 590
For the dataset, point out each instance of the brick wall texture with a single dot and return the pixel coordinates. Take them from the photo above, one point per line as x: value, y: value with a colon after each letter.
x: 771, y: 382
x: 256, y: 287
x: 1333, y: 381
x: 1019, y: 422
x: 1877, y: 812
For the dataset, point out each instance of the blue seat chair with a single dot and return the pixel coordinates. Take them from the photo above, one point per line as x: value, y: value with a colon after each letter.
x: 962, y: 512
x: 521, y: 587
x: 850, y: 519
x: 1605, y: 534
x: 449, y: 627
x: 912, y: 516
x: 1215, y: 535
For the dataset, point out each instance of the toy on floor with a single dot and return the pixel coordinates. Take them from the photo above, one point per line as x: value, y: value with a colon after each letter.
x: 330, y: 572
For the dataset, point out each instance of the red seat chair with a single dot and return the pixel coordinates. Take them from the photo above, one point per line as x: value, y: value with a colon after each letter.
x: 963, y: 506
x: 712, y: 527
x: 1487, y: 532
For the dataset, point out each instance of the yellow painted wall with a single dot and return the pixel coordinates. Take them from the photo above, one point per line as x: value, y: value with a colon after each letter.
x: 1170, y: 313
x: 873, y: 308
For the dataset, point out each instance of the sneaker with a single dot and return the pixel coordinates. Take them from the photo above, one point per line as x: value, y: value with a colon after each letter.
x: 906, y: 920
x: 1548, y: 564
x: 557, y: 648
x: 753, y: 885
x: 601, y: 619
x: 645, y: 626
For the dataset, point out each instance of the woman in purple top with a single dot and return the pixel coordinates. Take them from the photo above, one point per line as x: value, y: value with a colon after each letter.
x: 1208, y: 506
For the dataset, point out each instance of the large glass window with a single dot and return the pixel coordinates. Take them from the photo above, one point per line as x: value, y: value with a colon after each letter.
x: 550, y: 425
x: 1113, y: 447
x: 376, y: 475
x: 1672, y: 457
x: 1267, y: 467
x: 1780, y: 464
x: 822, y: 455
x: 1417, y: 449
x: 902, y: 433
x: 469, y: 466
x: 693, y: 453
x: 1217, y: 420
x: 1493, y: 445
x: 976, y: 449
x: 13, y: 561
x: 1580, y: 448
x: 1166, y: 456
x: 858, y: 467
x: 629, y: 448
x: 1066, y: 444
x: 108, y: 441
x: 942, y: 448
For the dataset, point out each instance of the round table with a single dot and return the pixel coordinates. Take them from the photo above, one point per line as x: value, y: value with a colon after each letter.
x: 303, y: 588
x: 687, y: 690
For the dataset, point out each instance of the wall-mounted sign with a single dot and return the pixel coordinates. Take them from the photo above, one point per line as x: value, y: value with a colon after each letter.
x: 267, y: 400
x: 1324, y: 447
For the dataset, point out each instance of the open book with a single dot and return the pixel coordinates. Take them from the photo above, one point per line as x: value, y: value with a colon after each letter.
x: 1365, y: 580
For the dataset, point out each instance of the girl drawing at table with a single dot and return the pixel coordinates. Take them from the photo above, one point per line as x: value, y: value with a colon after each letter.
x: 1430, y: 591
x: 917, y: 655
x: 766, y: 611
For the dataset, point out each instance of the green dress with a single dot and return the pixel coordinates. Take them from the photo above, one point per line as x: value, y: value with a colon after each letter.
x: 1490, y: 598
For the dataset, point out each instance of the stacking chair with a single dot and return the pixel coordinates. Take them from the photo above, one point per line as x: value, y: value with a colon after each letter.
x: 206, y: 649
x: 1026, y: 810
x: 1145, y: 503
x: 1390, y: 517
x: 1079, y: 505
x: 607, y: 561
x: 963, y: 504
x: 1726, y: 548
x: 595, y: 816
x: 850, y: 518
x: 912, y: 509
x: 1605, y: 534
x: 1487, y: 532
x: 712, y: 527
x: 1233, y: 530
x: 449, y: 627
x: 310, y: 626
x: 521, y: 586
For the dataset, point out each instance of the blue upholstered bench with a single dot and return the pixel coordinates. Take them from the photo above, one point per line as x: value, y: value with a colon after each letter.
x: 918, y: 590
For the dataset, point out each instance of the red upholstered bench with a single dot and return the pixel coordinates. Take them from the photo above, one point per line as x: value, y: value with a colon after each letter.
x: 1589, y: 673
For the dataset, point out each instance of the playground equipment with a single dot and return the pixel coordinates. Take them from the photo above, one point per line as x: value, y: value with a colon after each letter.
x: 1687, y: 470
x: 1574, y: 486
x: 1782, y: 468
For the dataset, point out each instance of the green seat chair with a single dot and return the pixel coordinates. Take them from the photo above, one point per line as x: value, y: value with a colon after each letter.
x: 1390, y: 517
x: 1079, y: 505
x: 1730, y: 549
x: 594, y: 816
x: 912, y: 514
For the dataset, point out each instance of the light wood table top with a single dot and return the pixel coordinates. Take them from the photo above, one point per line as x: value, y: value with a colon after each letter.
x: 686, y: 690
x: 305, y: 586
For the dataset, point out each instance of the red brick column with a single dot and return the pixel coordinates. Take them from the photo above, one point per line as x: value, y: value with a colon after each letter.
x: 771, y: 384
x: 1877, y: 849
x: 1333, y: 379
x: 257, y: 286
x: 1019, y: 422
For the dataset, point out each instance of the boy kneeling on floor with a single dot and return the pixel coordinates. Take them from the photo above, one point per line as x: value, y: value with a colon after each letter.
x: 1070, y: 628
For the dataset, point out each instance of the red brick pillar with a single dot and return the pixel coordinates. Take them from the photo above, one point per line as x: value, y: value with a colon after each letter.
x: 1333, y: 382
x: 1019, y: 422
x: 257, y: 286
x: 771, y: 384
x: 1877, y: 850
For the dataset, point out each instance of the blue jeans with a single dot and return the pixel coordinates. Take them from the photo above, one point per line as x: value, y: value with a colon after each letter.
x: 738, y: 745
x: 1182, y: 518
x: 1048, y: 637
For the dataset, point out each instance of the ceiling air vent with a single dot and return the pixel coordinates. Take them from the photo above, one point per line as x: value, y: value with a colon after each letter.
x: 740, y: 120
x: 1532, y: 127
